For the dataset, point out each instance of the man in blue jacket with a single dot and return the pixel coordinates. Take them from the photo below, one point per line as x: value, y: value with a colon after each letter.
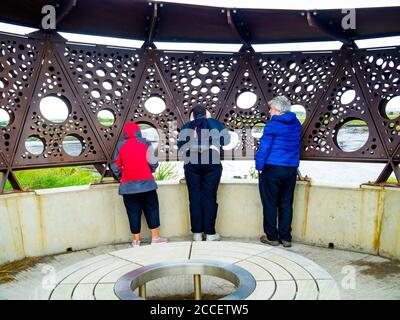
x: 278, y: 158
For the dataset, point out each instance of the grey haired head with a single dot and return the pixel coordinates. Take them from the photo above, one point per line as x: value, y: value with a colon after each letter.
x: 280, y: 103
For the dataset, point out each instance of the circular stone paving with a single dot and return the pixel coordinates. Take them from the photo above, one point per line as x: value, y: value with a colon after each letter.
x: 279, y: 273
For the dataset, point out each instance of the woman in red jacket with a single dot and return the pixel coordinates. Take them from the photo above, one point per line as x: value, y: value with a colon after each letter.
x: 134, y: 162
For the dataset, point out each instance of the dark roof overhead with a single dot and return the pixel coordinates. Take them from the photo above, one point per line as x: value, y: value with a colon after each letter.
x: 190, y: 23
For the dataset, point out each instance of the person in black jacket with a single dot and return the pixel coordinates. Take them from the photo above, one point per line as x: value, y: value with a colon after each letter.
x: 201, y: 142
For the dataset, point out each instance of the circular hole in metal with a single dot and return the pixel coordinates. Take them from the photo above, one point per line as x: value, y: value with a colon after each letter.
x: 352, y: 135
x: 203, y: 70
x: 195, y: 82
x: 392, y: 108
x: 215, y: 89
x: 95, y: 93
x: 300, y: 112
x: 257, y: 130
x: 246, y: 100
x: 242, y: 282
x: 234, y: 141
x: 3, y: 83
x: 106, y: 117
x: 72, y: 145
x: 150, y: 133
x: 107, y: 85
x: 34, y: 145
x: 55, y: 109
x: 291, y: 64
x: 155, y: 104
x: 297, y: 88
x: 310, y: 87
x: 101, y: 72
x: 292, y: 78
x: 5, y: 118
x: 348, y: 96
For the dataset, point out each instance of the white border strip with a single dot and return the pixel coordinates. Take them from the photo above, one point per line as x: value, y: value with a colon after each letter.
x: 197, y: 46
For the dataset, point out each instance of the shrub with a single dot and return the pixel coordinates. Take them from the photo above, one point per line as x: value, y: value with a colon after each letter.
x: 253, y: 173
x: 166, y: 171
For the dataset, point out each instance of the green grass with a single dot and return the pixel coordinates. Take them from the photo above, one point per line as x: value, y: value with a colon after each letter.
x: 31, y: 139
x: 259, y: 124
x: 74, y: 176
x: 54, y: 178
x: 356, y: 122
x: 392, y: 180
x: 106, y: 121
x: 166, y: 171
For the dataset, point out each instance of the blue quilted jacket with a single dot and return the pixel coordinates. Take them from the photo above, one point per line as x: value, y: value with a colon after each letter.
x: 280, y: 142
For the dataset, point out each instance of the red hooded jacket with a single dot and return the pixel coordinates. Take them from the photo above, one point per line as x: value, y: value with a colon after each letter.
x: 134, y: 162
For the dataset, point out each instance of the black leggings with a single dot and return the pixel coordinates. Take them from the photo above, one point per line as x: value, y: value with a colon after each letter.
x: 148, y: 203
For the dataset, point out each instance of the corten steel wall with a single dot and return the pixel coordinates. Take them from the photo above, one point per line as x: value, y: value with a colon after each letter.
x: 45, y: 64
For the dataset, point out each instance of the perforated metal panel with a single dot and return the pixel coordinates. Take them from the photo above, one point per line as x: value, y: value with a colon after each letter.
x: 20, y: 59
x: 53, y: 82
x: 90, y: 79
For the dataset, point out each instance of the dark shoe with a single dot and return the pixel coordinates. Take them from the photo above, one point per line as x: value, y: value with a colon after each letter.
x: 286, y: 244
x: 265, y: 240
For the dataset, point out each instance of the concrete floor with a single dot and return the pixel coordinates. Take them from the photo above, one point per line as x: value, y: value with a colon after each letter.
x: 357, y: 275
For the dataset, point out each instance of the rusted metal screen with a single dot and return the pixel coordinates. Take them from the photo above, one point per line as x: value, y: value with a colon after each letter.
x: 91, y: 79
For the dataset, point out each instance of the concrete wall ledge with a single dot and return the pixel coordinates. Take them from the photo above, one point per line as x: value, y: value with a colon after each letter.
x: 44, y: 222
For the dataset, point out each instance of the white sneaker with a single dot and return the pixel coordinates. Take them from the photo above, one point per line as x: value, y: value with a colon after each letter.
x: 136, y: 243
x: 158, y: 240
x: 213, y: 237
x: 197, y: 237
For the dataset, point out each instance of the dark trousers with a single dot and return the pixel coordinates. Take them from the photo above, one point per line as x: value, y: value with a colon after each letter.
x: 202, y: 182
x: 146, y: 202
x: 276, y: 184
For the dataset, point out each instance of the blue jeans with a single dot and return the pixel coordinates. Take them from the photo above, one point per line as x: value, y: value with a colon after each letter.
x: 146, y: 202
x: 276, y: 185
x: 202, y: 182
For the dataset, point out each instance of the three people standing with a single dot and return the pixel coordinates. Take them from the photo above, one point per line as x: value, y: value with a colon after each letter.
x: 200, y: 142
